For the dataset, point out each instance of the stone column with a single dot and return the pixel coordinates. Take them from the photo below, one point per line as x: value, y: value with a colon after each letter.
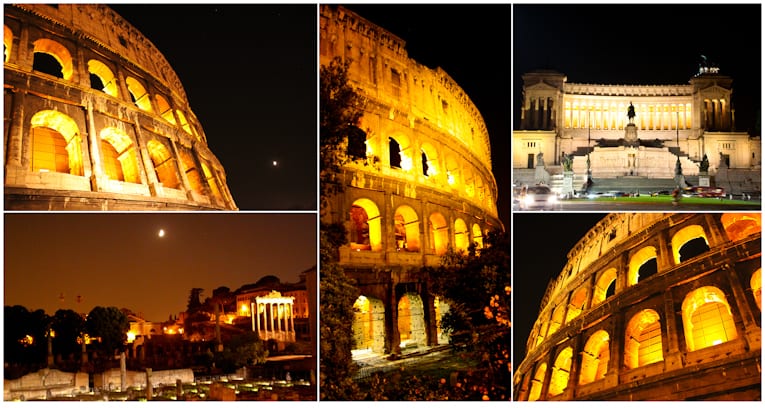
x: 752, y: 333
x: 96, y: 163
x: 146, y: 165
x: 673, y: 360
x: 15, y: 150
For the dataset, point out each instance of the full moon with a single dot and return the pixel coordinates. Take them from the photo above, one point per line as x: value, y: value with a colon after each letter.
x: 275, y: 163
x: 161, y: 233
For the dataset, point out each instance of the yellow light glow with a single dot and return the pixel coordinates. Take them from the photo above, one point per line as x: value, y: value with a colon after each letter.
x: 245, y: 310
x: 406, y: 162
x: 450, y: 178
x: 130, y: 337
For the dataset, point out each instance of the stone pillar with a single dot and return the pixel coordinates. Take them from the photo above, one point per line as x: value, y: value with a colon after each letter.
x: 123, y: 372
x: 145, y: 163
x: 14, y: 154
x: 664, y: 257
x: 673, y: 359
x: 752, y: 333
x: 96, y: 163
x: 149, y: 385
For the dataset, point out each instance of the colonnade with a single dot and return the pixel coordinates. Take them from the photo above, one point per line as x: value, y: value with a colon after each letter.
x: 273, y: 317
x: 613, y: 116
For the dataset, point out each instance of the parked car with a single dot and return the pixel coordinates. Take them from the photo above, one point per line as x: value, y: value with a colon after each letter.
x: 538, y: 197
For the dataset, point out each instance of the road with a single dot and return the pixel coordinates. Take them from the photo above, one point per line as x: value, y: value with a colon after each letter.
x: 622, y: 206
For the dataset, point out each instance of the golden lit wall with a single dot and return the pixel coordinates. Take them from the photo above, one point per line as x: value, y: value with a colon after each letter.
x: 676, y: 326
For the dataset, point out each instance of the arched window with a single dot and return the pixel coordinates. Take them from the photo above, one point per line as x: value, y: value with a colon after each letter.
x: 477, y: 236
x: 576, y: 304
x: 365, y: 230
x: 164, y: 164
x: 102, y: 78
x: 189, y: 166
x: 605, y: 286
x: 560, y: 373
x: 461, y: 238
x: 56, y: 143
x: 411, y: 320
x: 595, y: 358
x: 738, y: 225
x: 357, y: 143
x: 52, y: 58
x: 400, y: 152
x: 537, y: 382
x: 368, y: 324
x: 707, y: 319
x: 164, y: 109
x: 688, y: 243
x: 439, y: 234
x: 556, y: 321
x: 429, y: 160
x: 407, y: 229
x: 118, y: 150
x: 183, y: 122
x: 642, y: 340
x: 7, y: 43
x: 756, y: 284
x: 642, y: 265
x: 138, y: 94
x: 395, y: 153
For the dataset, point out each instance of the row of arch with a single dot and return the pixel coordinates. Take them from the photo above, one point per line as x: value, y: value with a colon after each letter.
x: 52, y: 58
x: 366, y: 230
x: 56, y: 146
x: 707, y: 321
x: 686, y: 243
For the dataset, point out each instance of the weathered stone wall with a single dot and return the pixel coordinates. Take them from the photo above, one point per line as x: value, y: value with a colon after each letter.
x: 43, y: 383
x: 111, y: 380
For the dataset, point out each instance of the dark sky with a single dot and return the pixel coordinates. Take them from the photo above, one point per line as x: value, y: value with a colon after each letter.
x: 541, y: 243
x: 472, y: 44
x: 250, y: 74
x: 118, y: 259
x: 641, y: 44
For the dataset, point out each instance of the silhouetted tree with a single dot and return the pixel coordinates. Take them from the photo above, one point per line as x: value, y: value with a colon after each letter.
x: 25, y: 341
x: 110, y: 325
x: 68, y: 326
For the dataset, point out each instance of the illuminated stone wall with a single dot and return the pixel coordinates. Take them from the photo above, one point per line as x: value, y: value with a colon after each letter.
x: 424, y: 183
x: 651, y: 307
x: 96, y: 119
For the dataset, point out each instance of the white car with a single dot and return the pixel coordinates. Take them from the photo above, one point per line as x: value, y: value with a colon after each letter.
x: 538, y: 198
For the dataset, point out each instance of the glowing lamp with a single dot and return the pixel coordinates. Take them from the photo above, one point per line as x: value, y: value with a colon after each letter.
x: 130, y: 337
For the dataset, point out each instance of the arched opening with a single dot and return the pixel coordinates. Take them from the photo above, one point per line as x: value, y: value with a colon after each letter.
x: 452, y: 171
x: 357, y: 143
x: 738, y: 226
x: 643, y: 343
x: 560, y: 372
x: 642, y: 265
x: 398, y: 156
x: 56, y: 143
x: 576, y: 304
x: 395, y: 153
x: 7, y: 43
x: 439, y: 234
x: 461, y: 238
x: 212, y: 181
x: 165, y: 111
x: 52, y: 58
x: 756, y: 284
x: 429, y: 160
x: 411, y: 321
x: 369, y: 324
x: 685, y: 236
x: 164, y: 164
x: 707, y: 319
x: 595, y: 358
x: 441, y: 308
x: 407, y: 229
x: 118, y: 151
x: 477, y: 236
x: 183, y: 122
x: 138, y: 94
x: 537, y: 382
x: 557, y: 319
x: 605, y: 286
x: 102, y: 78
x: 189, y: 166
x: 365, y: 229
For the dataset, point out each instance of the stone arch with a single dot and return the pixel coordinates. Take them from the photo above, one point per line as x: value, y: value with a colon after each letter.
x: 108, y: 83
x: 189, y: 166
x: 356, y: 147
x: 119, y: 158
x: 755, y: 283
x: 164, y: 164
x: 560, y: 372
x: 537, y: 382
x: 429, y: 156
x: 738, y: 226
x: 642, y: 264
x: 461, y: 238
x: 468, y: 182
x: 411, y: 321
x: 477, y: 236
x: 642, y: 339
x: 183, y: 122
x: 407, y: 229
x: 595, y: 358
x: 605, y: 286
x: 369, y: 324
x: 365, y: 230
x: 59, y: 53
x: 707, y: 318
x: 576, y: 304
x: 689, y: 242
x: 138, y: 94
x: 7, y: 43
x: 212, y: 181
x: 556, y: 320
x: 400, y: 152
x: 441, y: 308
x: 439, y: 233
x: 452, y: 170
x: 165, y: 111
x: 56, y: 143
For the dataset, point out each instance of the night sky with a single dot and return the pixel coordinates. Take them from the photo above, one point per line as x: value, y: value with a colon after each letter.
x: 119, y: 260
x: 641, y: 44
x: 472, y: 44
x: 250, y: 74
x: 541, y: 243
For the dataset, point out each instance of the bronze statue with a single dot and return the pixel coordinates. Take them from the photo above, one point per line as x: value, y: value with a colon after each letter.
x: 631, y: 112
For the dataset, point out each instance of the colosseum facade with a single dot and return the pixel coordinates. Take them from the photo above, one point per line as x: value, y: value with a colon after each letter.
x: 424, y: 184
x: 96, y: 118
x: 652, y: 306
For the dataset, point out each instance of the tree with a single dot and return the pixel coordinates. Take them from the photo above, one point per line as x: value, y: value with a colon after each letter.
x: 68, y: 326
x: 194, y: 304
x: 110, y: 325
x: 25, y: 337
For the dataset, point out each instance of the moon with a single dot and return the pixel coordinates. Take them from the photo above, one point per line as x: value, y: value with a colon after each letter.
x: 161, y: 233
x: 275, y: 163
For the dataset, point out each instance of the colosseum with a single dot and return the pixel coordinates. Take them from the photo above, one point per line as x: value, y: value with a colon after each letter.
x: 424, y: 184
x: 652, y: 306
x: 96, y: 119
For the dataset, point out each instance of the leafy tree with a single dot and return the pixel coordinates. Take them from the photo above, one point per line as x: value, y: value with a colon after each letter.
x: 194, y: 304
x: 110, y: 325
x: 25, y: 337
x: 68, y: 325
